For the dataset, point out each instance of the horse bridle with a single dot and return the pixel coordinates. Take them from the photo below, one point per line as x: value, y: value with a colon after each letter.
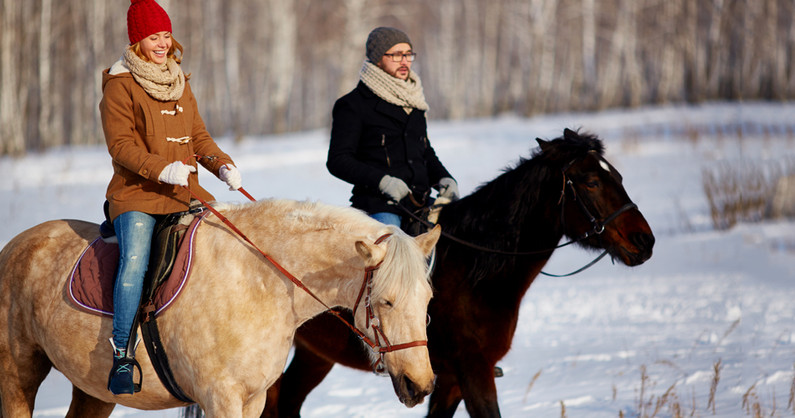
x: 372, y: 321
x: 379, y: 366
x: 598, y: 227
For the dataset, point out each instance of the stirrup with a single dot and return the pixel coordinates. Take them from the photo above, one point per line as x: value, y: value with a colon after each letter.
x: 123, y: 358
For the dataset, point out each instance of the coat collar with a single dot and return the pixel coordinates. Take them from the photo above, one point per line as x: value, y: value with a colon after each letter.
x: 382, y: 106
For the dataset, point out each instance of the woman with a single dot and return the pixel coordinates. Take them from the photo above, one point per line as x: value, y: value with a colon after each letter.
x: 154, y: 135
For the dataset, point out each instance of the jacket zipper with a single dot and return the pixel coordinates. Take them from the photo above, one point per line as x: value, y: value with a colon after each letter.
x: 386, y: 153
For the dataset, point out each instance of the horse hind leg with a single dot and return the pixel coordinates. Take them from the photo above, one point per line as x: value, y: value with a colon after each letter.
x: 86, y: 406
x: 21, y: 378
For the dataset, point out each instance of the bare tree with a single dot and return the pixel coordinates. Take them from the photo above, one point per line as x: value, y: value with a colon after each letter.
x: 279, y: 65
x: 11, y: 134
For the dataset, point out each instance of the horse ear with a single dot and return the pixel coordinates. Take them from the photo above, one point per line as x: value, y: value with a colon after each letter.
x: 429, y: 239
x: 543, y: 144
x: 568, y: 133
x: 370, y: 252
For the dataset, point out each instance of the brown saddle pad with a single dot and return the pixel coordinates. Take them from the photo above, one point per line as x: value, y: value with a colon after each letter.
x: 91, y: 280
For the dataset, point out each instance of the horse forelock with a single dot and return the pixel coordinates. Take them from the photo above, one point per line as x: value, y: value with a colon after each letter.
x: 571, y: 146
x: 403, y: 270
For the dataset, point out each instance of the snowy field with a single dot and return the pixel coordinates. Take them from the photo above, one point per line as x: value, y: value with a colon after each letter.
x: 611, y: 340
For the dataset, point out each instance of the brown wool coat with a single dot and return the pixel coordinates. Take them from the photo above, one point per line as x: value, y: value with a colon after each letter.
x: 136, y: 127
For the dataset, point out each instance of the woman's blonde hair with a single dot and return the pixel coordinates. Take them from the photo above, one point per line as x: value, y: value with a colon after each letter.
x: 172, y: 52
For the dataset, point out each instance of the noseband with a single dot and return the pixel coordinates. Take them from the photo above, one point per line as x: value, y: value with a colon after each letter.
x: 372, y: 321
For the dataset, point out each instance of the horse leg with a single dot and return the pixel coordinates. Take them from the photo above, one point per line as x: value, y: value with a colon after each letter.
x: 305, y: 372
x: 21, y: 380
x: 85, y: 405
x: 445, y: 397
x: 479, y: 390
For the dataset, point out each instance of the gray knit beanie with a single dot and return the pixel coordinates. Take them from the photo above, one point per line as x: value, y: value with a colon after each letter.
x: 381, y: 39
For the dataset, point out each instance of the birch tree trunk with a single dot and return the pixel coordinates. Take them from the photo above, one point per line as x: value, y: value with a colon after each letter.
x: 46, y: 92
x: 588, y: 52
x: 283, y: 60
x: 11, y: 134
x: 489, y: 44
x: 542, y: 13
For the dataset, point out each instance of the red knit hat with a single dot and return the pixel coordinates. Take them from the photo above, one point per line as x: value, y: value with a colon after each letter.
x: 145, y: 17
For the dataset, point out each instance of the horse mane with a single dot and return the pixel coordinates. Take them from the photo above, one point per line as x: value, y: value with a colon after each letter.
x: 497, y: 213
x: 403, y: 260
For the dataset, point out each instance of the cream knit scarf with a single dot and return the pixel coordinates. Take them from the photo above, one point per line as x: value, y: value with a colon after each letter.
x: 404, y: 93
x: 164, y: 82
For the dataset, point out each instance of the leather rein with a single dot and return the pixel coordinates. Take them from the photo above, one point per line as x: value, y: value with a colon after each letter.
x: 598, y: 226
x: 372, y: 321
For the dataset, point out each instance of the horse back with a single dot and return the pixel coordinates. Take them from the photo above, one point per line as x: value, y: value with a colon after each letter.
x: 35, y: 263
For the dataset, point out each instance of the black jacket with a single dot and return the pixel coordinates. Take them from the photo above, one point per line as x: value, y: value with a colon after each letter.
x: 370, y: 138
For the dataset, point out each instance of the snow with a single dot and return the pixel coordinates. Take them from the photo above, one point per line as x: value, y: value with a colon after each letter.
x: 606, y: 341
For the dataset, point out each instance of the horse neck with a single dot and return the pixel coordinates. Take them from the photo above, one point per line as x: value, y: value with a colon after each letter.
x: 517, y: 212
x: 320, y: 266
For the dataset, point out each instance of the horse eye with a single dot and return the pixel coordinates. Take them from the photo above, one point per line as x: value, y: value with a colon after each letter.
x: 592, y: 184
x: 387, y: 303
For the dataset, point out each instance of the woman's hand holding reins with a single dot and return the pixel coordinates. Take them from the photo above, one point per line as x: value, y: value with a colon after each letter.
x: 231, y: 176
x: 176, y: 173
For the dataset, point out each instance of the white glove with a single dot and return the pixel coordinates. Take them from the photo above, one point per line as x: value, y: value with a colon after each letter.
x: 393, y: 187
x: 448, y: 188
x: 176, y: 173
x: 231, y: 175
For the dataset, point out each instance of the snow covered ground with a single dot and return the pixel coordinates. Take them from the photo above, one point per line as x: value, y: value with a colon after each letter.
x: 607, y: 341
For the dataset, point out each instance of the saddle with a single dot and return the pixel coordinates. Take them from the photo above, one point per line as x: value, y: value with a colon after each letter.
x: 91, y: 280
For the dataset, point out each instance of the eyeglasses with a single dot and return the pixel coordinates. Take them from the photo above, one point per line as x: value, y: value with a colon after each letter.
x: 398, y: 56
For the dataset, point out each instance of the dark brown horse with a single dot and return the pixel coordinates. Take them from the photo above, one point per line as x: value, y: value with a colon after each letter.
x: 507, y: 229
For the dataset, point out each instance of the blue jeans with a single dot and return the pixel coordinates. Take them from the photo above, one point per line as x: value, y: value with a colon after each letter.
x: 134, y: 231
x: 388, y: 218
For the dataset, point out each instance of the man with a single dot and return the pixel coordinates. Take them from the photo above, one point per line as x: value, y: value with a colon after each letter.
x: 379, y: 140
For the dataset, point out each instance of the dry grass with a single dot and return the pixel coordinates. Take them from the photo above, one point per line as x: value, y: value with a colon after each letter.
x: 741, y: 191
x: 791, y: 403
x: 713, y: 389
x: 530, y: 385
x: 751, y: 403
x: 669, y: 403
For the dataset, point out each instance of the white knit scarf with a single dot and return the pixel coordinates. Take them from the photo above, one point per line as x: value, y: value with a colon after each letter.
x: 164, y: 82
x: 407, y: 94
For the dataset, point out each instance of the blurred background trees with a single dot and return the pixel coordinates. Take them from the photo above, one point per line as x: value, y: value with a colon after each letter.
x: 272, y: 66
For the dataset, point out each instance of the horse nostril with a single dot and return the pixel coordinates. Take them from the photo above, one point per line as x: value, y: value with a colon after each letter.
x: 642, y: 241
x: 410, y: 387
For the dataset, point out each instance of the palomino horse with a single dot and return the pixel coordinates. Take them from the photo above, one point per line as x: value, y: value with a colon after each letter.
x: 229, y: 334
x: 500, y: 238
